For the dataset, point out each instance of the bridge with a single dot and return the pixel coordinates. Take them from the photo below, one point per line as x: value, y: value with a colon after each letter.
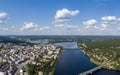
x: 93, y: 70
x: 71, y: 48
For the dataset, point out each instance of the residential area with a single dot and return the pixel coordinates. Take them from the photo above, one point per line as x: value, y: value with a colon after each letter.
x: 18, y: 59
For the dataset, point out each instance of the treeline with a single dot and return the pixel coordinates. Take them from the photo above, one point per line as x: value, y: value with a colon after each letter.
x: 106, y: 50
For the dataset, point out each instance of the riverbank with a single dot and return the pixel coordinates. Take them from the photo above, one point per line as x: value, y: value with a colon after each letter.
x: 95, y: 62
x: 103, y: 51
x: 59, y: 55
x: 91, y: 59
x: 107, y: 66
x: 74, y: 61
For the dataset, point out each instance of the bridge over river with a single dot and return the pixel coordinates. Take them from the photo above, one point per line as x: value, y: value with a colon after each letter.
x: 68, y: 46
x: 93, y: 69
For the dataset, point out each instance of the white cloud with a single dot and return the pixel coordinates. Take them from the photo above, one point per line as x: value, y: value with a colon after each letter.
x: 28, y: 26
x: 90, y: 22
x: 104, y: 25
x: 3, y: 16
x: 63, y: 16
x: 66, y: 26
x: 108, y: 18
x: 65, y: 13
x: 94, y: 25
x: 107, y: 22
x: 34, y: 27
x: 118, y: 27
x: 42, y: 28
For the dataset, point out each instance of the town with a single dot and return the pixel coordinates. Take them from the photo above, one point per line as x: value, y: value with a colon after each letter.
x: 18, y: 59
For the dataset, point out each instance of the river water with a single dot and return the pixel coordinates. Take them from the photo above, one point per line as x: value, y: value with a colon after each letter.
x: 73, y: 62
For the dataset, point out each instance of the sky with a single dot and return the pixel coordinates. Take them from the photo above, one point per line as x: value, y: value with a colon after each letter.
x: 59, y: 17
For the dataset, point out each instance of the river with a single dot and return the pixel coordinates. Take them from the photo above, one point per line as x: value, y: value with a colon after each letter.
x: 73, y: 62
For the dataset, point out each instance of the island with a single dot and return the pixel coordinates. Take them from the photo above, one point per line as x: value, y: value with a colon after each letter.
x: 103, y: 51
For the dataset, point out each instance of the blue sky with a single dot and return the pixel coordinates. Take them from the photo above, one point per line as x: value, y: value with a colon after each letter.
x: 59, y: 17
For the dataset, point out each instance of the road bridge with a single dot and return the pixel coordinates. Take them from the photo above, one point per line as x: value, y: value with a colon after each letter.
x: 93, y: 69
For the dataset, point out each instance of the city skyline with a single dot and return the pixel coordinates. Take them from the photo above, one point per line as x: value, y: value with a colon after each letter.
x: 59, y: 17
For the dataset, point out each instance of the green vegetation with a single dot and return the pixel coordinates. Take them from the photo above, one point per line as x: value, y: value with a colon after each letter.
x: 103, y: 51
x: 30, y: 69
x: 47, y: 67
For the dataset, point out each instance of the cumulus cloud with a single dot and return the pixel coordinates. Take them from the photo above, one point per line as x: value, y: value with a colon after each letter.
x: 65, y: 13
x: 104, y: 27
x: 90, y: 22
x: 28, y: 26
x: 63, y: 16
x: 109, y: 18
x: 33, y: 26
x: 106, y: 23
x: 62, y: 19
x: 3, y: 16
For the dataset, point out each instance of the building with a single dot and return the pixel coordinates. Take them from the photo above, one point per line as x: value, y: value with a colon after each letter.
x: 40, y: 73
x: 3, y: 73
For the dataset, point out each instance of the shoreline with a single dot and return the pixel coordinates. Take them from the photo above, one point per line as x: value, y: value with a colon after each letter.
x: 59, y: 55
x: 97, y: 63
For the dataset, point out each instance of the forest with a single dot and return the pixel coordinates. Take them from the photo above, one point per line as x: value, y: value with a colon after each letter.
x: 107, y: 50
